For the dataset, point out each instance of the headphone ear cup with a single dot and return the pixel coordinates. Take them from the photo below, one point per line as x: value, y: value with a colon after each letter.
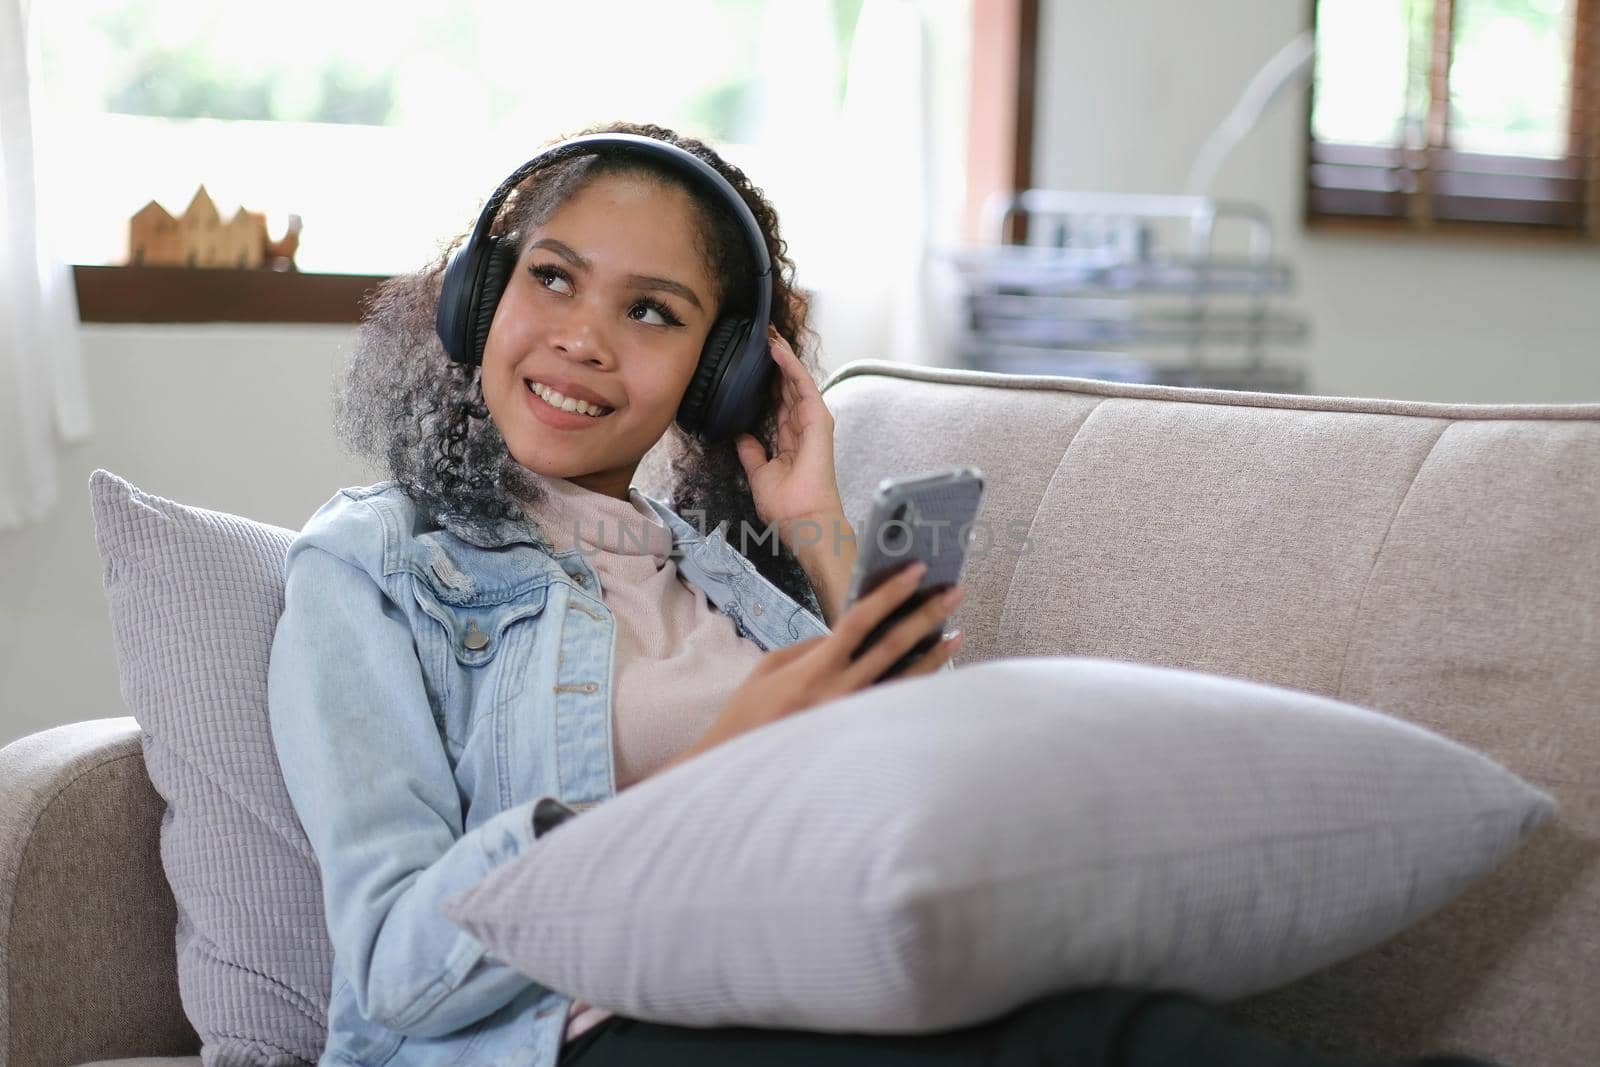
x: 502, y: 259
x: 450, y: 319
x: 722, y: 343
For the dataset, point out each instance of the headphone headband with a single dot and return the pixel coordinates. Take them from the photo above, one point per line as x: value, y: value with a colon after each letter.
x: 683, y: 161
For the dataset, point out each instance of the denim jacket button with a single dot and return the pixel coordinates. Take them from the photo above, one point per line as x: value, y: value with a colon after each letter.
x: 756, y: 609
x: 476, y: 639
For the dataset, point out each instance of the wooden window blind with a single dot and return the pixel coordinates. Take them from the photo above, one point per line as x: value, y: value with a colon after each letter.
x: 1448, y: 112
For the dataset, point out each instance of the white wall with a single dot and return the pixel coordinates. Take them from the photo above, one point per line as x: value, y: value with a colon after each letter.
x: 231, y: 418
x: 1128, y: 91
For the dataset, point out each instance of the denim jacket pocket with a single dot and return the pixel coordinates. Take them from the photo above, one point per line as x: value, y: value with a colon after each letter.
x: 474, y: 631
x: 464, y: 643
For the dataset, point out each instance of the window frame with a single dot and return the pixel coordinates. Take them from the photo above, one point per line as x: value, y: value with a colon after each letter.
x: 1412, y: 210
x: 1001, y: 90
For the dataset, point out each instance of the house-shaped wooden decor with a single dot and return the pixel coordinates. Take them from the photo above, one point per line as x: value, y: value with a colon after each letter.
x: 199, y: 237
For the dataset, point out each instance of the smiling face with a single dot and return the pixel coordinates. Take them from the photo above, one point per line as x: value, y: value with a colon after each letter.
x: 610, y: 301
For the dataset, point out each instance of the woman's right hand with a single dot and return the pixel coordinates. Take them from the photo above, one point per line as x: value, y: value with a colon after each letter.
x: 818, y: 669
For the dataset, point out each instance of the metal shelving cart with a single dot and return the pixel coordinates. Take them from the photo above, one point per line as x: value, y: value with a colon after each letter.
x: 1174, y: 290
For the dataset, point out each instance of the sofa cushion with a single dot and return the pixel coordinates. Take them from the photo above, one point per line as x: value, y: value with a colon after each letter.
x: 935, y: 852
x: 194, y: 597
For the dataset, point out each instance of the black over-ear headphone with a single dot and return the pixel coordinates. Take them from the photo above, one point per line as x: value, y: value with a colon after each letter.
x: 735, y: 368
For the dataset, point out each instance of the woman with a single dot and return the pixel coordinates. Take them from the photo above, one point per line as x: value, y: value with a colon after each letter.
x: 466, y: 655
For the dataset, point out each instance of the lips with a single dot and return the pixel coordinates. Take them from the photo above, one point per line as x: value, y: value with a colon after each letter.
x: 559, y: 417
x: 575, y: 391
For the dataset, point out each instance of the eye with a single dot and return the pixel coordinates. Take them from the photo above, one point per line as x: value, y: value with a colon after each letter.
x: 660, y: 309
x: 543, y: 274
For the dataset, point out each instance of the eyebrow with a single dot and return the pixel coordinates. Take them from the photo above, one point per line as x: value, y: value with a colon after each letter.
x: 643, y: 281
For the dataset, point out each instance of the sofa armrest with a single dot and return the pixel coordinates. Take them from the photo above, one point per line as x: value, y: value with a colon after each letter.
x: 88, y: 966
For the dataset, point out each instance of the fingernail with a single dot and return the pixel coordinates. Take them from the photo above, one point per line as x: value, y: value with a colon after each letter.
x: 952, y: 597
x: 916, y: 570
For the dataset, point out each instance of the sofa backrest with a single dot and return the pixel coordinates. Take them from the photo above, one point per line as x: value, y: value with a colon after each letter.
x: 1438, y: 562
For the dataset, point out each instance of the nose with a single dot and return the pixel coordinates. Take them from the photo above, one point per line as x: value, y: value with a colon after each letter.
x: 578, y: 336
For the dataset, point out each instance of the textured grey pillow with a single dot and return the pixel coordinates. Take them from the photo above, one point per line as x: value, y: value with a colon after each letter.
x: 936, y: 851
x: 194, y: 598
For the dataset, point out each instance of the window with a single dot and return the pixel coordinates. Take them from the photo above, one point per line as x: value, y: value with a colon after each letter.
x: 384, y: 124
x: 1450, y: 112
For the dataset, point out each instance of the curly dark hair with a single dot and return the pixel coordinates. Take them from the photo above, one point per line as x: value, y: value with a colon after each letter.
x: 403, y: 404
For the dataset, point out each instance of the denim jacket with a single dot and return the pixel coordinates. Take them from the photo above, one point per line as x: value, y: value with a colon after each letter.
x: 433, y: 693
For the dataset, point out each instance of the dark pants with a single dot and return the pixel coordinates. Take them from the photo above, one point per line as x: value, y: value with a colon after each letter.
x: 1093, y: 1028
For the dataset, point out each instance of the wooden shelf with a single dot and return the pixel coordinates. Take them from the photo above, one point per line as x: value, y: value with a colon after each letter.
x: 185, y: 294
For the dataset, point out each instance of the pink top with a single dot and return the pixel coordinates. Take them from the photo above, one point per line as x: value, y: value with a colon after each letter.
x: 677, y: 659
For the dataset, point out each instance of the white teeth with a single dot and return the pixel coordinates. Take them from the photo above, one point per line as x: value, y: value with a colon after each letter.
x: 566, y: 403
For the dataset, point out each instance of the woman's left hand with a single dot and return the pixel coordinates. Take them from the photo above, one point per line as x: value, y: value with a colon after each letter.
x: 798, y: 482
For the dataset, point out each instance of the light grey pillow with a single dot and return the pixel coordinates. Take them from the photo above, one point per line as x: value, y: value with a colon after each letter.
x: 194, y: 597
x: 936, y: 851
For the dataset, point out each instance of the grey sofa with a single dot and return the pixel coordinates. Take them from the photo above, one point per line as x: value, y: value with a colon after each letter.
x: 1437, y: 562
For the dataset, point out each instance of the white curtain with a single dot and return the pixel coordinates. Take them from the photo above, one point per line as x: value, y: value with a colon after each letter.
x: 875, y: 280
x: 43, y: 401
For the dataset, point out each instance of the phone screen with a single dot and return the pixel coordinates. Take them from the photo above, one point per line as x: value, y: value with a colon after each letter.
x: 925, y: 518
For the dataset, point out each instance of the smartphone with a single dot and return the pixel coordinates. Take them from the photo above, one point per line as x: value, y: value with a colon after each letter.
x: 927, y: 517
